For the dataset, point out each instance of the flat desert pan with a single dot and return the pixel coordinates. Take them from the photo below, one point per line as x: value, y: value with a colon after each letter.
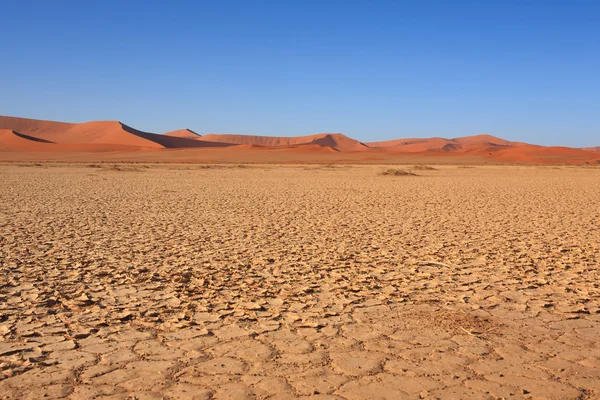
x: 280, y: 282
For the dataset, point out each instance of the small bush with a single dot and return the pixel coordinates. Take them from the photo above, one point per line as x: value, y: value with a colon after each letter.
x: 397, y: 172
x: 423, y: 168
x: 122, y: 168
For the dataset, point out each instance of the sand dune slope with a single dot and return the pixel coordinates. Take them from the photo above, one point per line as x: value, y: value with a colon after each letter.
x: 24, y: 135
x: 184, y: 133
x: 544, y: 155
x: 14, y: 141
x: 482, y: 140
x: 462, y: 144
x: 414, y: 145
x: 337, y: 141
x: 98, y: 132
x: 33, y: 127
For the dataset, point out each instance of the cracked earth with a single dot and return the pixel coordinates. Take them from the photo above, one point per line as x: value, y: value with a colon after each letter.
x: 284, y: 282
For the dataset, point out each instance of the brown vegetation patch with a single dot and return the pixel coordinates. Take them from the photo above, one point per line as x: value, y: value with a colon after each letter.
x: 421, y: 167
x: 397, y: 172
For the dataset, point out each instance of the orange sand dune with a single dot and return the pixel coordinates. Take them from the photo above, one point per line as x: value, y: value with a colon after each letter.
x: 33, y: 127
x: 98, y: 132
x: 482, y: 140
x: 101, y: 132
x: 597, y: 148
x: 544, y: 155
x: 306, y: 148
x: 415, y: 145
x: 184, y: 133
x: 309, y: 148
x: 12, y: 141
x: 461, y: 144
x: 73, y: 141
x: 404, y: 142
x: 336, y: 141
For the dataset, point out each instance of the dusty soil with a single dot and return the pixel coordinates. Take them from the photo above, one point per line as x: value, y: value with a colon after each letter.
x: 200, y: 282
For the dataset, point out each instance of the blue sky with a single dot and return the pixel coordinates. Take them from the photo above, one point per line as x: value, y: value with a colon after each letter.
x: 374, y: 70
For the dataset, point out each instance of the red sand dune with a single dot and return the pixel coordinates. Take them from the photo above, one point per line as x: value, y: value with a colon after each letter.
x: 33, y: 127
x: 21, y: 135
x: 98, y: 132
x: 336, y: 141
x: 462, y: 144
x: 308, y: 147
x: 184, y: 133
x: 541, y: 154
x: 12, y: 141
x: 414, y: 145
x: 482, y: 139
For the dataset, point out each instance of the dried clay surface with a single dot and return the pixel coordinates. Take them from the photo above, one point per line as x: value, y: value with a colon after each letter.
x: 284, y: 282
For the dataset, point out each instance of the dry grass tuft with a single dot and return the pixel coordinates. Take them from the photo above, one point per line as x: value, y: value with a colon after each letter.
x: 423, y: 168
x: 397, y: 172
x: 124, y: 168
x: 30, y: 165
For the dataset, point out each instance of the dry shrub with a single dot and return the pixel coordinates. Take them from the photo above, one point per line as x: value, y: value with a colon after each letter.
x: 123, y: 168
x: 458, y: 322
x: 220, y: 166
x: 30, y: 165
x: 423, y: 168
x: 397, y: 172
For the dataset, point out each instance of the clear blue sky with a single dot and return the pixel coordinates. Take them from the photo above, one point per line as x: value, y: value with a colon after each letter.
x: 374, y: 70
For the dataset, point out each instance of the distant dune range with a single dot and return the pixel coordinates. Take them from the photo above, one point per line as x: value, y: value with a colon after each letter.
x: 30, y: 139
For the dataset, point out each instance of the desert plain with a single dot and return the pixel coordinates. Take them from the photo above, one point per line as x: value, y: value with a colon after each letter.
x: 205, y: 281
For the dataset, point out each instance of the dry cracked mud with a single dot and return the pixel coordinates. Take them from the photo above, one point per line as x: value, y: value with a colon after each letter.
x: 284, y: 282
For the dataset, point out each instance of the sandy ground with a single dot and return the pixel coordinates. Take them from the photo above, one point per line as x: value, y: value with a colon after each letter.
x: 200, y: 282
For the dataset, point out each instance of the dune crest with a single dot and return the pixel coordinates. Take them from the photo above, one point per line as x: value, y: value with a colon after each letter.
x: 22, y: 135
x: 99, y: 132
x: 11, y: 140
x: 483, y: 139
x: 465, y: 143
x: 336, y: 141
x: 184, y: 133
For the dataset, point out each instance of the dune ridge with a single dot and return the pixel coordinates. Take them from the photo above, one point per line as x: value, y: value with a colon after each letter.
x: 13, y: 141
x: 99, y: 132
x: 336, y: 141
x: 36, y: 136
x: 184, y: 133
x: 466, y: 143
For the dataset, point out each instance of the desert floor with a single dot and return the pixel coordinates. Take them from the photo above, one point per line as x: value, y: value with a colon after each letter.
x: 330, y: 282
